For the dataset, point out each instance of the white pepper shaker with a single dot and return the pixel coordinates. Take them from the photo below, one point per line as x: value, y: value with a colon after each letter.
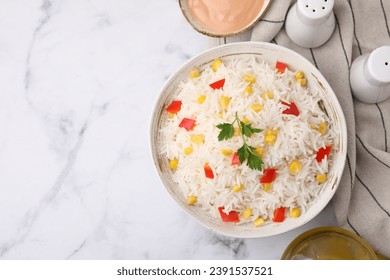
x: 310, y: 23
x: 370, y: 76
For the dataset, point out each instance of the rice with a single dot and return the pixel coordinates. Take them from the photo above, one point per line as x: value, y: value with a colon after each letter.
x: 298, y: 139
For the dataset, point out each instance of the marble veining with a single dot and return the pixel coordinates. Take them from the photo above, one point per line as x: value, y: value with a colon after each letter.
x: 78, y: 80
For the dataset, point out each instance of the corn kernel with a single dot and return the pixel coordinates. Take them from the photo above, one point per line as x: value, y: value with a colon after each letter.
x: 171, y: 115
x: 201, y: 99
x: 250, y: 78
x: 299, y: 75
x: 226, y: 152
x: 224, y: 101
x: 321, y: 177
x: 246, y: 121
x: 216, y: 64
x: 300, y: 78
x: 270, y: 139
x: 260, y: 151
x: 238, y: 188
x: 257, y: 107
x: 295, y: 212
x: 295, y: 167
x: 267, y: 187
x: 246, y: 214
x: 249, y: 90
x: 258, y: 222
x: 192, y: 199
x: 271, y: 136
x: 302, y: 81
x: 273, y: 132
x: 268, y: 95
x: 173, y: 163
x: 197, y: 138
x: 322, y: 127
x: 188, y: 150
x: 194, y: 73
x: 220, y: 115
x: 236, y: 131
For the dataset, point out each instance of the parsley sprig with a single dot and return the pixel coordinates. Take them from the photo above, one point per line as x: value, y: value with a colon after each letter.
x: 246, y: 152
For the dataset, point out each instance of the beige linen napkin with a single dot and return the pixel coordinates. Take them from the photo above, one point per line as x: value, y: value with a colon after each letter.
x: 362, y: 201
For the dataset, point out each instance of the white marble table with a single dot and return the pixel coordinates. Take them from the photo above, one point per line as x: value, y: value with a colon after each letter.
x: 78, y: 79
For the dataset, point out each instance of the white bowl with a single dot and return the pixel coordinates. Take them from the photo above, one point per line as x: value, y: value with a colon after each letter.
x: 315, y: 81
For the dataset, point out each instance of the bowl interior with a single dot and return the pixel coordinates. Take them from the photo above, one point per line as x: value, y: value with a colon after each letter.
x: 315, y: 81
x: 204, y: 30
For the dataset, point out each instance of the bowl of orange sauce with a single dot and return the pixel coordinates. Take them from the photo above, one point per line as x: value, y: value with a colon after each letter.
x: 223, y: 18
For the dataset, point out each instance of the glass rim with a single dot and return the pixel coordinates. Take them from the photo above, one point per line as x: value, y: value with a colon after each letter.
x: 315, y: 232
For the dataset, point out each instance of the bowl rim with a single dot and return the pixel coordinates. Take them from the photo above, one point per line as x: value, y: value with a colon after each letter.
x: 323, y: 83
x: 198, y: 27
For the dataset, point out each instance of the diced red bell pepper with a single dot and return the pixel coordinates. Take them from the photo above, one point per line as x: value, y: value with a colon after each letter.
x: 187, y: 123
x: 279, y: 215
x: 269, y: 175
x: 208, y: 172
x: 231, y: 217
x: 235, y: 159
x: 218, y: 84
x: 174, y: 107
x: 281, y: 66
x: 291, y: 110
x: 322, y: 152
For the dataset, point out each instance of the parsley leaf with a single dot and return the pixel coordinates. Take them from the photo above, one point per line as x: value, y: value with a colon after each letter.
x: 254, y: 161
x: 227, y: 131
x: 243, y: 153
x: 246, y: 152
x: 247, y: 129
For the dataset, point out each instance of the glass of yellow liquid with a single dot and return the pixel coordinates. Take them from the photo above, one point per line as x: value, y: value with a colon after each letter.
x: 329, y: 243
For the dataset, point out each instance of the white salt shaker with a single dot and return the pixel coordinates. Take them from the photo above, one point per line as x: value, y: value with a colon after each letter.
x: 370, y: 76
x: 310, y: 23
